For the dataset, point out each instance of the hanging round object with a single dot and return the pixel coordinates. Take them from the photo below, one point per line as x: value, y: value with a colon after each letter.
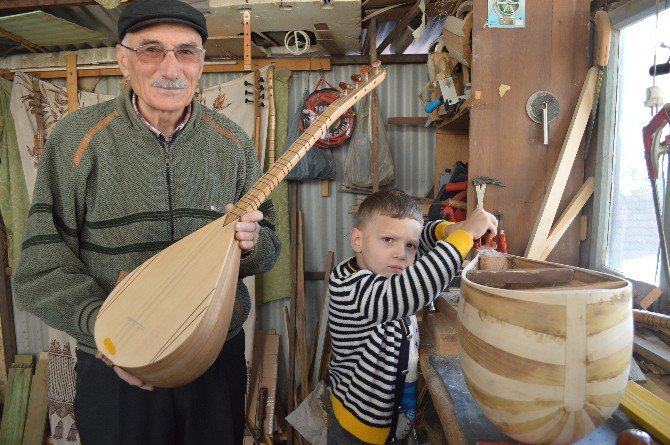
x: 340, y: 131
x: 296, y: 42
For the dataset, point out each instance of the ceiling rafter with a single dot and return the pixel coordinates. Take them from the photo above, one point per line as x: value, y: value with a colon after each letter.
x: 30, y: 46
x: 16, y: 5
x: 400, y: 26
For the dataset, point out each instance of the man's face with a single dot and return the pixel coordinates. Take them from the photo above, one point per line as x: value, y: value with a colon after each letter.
x: 166, y: 85
x: 386, y: 245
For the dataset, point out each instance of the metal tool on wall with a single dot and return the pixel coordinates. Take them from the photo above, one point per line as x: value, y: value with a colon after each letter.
x: 653, y: 149
x: 542, y: 107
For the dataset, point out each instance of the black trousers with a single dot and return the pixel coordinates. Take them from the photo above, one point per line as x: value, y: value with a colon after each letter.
x: 209, y: 410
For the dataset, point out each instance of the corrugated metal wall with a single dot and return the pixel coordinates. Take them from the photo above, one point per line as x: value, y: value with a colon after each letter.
x: 326, y: 220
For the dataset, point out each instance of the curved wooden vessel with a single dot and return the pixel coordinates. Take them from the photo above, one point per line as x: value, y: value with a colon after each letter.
x: 546, y: 364
x: 166, y: 322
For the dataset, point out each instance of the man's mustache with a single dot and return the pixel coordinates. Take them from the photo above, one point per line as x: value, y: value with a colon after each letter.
x: 170, y: 84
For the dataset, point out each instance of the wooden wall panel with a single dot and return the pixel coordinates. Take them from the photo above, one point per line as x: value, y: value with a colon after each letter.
x: 550, y: 53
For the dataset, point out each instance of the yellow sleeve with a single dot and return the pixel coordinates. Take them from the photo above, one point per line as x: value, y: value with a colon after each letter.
x: 440, y: 230
x: 461, y: 240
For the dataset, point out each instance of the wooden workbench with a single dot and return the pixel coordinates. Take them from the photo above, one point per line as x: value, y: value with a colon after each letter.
x: 461, y: 419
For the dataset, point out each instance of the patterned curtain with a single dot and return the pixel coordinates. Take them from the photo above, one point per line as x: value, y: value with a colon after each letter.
x: 37, y: 106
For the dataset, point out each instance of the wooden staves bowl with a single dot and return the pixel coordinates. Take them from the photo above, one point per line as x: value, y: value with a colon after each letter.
x: 545, y: 348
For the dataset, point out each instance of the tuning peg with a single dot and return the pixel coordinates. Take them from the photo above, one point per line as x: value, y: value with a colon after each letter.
x: 356, y: 78
x: 261, y: 87
x: 375, y: 65
x: 365, y: 71
x: 261, y: 79
x: 247, y: 100
x: 248, y: 84
x: 262, y: 96
x: 248, y: 93
x: 344, y: 87
x: 262, y: 105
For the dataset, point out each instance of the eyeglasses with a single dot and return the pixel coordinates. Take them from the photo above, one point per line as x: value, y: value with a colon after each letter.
x: 152, y: 53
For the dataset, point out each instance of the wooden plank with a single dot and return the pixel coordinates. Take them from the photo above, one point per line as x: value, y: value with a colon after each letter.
x: 246, y: 17
x: 441, y: 326
x: 30, y: 46
x: 644, y: 294
x: 541, y: 276
x: 550, y: 54
x: 374, y: 122
x: 16, y: 401
x: 538, y: 239
x: 36, y: 418
x: 325, y: 38
x: 648, y: 410
x: 321, y: 323
x: 568, y: 216
x: 385, y: 59
x: 16, y: 5
x: 293, y: 215
x: 636, y: 375
x: 656, y: 385
x: 301, y: 329
x: 652, y: 348
x: 71, y: 83
x: 293, y: 64
x: 399, y: 27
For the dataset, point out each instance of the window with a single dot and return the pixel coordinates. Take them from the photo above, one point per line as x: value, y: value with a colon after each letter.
x: 632, y: 244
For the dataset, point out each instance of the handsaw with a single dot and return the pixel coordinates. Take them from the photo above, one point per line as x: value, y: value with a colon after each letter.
x: 166, y: 322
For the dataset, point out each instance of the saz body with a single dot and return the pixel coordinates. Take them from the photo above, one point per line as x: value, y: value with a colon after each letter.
x: 166, y: 322
x: 546, y: 363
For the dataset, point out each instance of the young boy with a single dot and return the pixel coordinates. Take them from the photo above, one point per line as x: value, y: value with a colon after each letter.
x: 373, y: 296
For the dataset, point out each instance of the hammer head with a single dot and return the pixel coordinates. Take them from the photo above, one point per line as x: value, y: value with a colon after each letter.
x: 483, y: 180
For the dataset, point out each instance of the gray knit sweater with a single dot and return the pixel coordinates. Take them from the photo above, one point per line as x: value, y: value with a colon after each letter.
x: 110, y: 194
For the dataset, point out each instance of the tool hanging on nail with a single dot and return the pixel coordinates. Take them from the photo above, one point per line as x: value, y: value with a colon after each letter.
x: 542, y: 107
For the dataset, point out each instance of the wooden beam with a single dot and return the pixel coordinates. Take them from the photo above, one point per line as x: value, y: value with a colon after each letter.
x: 392, y: 59
x: 247, y: 40
x: 546, y: 276
x: 644, y: 294
x: 36, y: 417
x: 311, y: 64
x: 30, y: 46
x: 325, y: 38
x: 400, y: 26
x: 15, y: 5
x: 568, y: 216
x: 652, y: 348
x: 71, y: 83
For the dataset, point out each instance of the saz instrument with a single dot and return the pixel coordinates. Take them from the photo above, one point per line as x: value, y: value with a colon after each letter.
x: 166, y: 322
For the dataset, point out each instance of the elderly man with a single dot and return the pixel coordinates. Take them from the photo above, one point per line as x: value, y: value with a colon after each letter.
x: 120, y: 181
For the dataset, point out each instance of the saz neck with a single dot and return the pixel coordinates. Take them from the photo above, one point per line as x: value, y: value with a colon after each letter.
x: 278, y: 171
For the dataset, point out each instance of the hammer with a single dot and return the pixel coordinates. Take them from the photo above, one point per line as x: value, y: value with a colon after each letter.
x: 480, y: 183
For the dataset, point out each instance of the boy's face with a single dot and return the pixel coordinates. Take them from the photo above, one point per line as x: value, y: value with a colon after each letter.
x: 386, y: 245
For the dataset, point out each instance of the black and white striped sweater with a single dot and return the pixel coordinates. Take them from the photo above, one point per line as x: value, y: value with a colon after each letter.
x: 367, y: 328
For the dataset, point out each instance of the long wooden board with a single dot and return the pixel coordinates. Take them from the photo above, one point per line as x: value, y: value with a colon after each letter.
x: 566, y: 159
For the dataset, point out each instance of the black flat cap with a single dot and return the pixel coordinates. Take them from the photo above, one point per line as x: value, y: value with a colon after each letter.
x: 141, y: 13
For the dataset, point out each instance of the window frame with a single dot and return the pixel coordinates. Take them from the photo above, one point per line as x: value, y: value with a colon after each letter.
x: 620, y: 17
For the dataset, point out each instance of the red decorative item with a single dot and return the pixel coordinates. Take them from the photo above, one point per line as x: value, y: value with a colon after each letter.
x: 315, y: 104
